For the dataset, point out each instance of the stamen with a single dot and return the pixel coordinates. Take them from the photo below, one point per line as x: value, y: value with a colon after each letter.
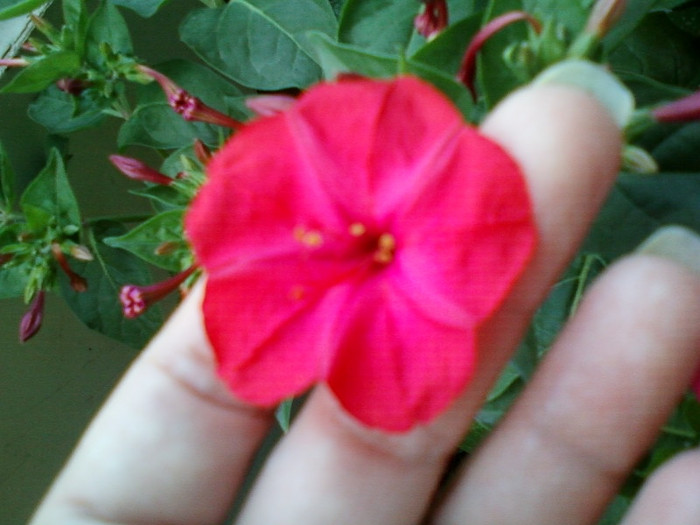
x: 357, y: 229
x: 310, y: 238
x: 386, y: 246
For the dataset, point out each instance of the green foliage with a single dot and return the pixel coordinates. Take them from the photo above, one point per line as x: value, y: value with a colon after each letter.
x: 251, y: 46
x: 13, y: 8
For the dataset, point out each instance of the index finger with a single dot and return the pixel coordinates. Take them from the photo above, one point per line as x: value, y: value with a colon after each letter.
x: 171, y: 444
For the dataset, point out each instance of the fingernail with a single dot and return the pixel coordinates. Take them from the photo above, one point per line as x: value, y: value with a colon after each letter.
x: 594, y: 80
x: 676, y: 243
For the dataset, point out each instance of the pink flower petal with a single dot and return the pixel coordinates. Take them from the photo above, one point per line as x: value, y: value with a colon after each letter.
x: 395, y: 367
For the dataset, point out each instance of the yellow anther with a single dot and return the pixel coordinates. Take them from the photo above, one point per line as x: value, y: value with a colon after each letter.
x: 311, y: 238
x: 386, y: 245
x: 357, y: 229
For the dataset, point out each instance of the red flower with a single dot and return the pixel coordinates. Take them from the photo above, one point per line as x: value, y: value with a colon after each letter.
x: 361, y: 248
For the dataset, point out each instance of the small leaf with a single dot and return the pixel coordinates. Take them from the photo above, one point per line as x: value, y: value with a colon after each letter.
x: 7, y: 183
x: 144, y: 8
x: 43, y: 72
x: 49, y: 199
x: 446, y: 50
x: 107, y: 27
x: 380, y: 26
x: 13, y: 8
x: 145, y: 240
x: 336, y: 58
x: 59, y: 112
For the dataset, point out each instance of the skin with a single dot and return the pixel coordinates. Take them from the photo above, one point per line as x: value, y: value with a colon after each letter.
x: 172, y: 445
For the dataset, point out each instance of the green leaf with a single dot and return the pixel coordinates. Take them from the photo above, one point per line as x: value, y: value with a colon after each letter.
x: 283, y: 414
x: 678, y: 151
x: 49, y: 199
x: 7, y: 183
x: 338, y: 58
x: 43, y: 72
x: 13, y: 280
x: 107, y: 27
x: 494, y: 78
x: 657, y: 50
x: 144, y: 8
x: 455, y: 91
x: 261, y: 43
x: 145, y: 239
x: 75, y: 17
x: 99, y: 306
x: 379, y: 26
x: 445, y: 51
x: 59, y: 112
x: 572, y: 14
x: 13, y: 8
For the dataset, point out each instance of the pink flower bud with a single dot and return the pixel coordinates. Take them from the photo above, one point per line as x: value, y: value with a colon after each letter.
x: 604, y: 16
x: 137, y: 170
x: 31, y: 320
x: 686, y: 109
x: 268, y: 105
x: 78, y: 283
x: 433, y: 19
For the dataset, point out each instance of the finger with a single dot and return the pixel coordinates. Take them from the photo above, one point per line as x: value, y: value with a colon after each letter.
x: 594, y: 406
x: 330, y: 469
x: 171, y: 445
x: 670, y: 496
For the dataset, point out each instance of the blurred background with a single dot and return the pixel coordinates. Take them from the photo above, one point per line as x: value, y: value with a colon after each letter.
x: 51, y: 386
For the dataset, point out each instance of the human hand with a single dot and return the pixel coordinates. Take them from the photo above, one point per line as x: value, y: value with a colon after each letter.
x: 172, y: 445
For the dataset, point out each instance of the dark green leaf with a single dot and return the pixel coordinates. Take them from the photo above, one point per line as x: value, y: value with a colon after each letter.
x: 99, y: 306
x: 338, y: 58
x: 75, y: 17
x: 445, y: 52
x: 657, y: 50
x: 49, y: 199
x: 495, y: 80
x: 13, y: 8
x: 59, y: 112
x: 13, y: 280
x: 43, y: 72
x: 145, y: 239
x: 144, y: 8
x: 107, y: 27
x: 634, y: 13
x: 379, y: 26
x: 678, y: 151
x: 455, y: 91
x: 7, y: 183
x: 158, y: 126
x: 261, y: 43
x: 572, y: 14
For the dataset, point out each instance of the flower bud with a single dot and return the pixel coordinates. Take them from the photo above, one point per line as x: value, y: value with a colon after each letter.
x: 31, y: 321
x: 137, y: 170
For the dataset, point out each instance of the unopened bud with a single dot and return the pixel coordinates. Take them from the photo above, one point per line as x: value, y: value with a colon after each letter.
x: 31, y: 321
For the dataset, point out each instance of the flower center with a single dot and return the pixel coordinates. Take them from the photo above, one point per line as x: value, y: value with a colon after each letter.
x: 365, y: 249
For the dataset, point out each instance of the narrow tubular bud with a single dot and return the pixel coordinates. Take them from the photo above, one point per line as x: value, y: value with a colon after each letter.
x: 202, y: 152
x: 269, y: 105
x: 467, y: 71
x: 13, y: 62
x: 31, y: 321
x: 604, y: 16
x: 686, y: 109
x: 78, y: 283
x: 137, y: 170
x: 433, y: 19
